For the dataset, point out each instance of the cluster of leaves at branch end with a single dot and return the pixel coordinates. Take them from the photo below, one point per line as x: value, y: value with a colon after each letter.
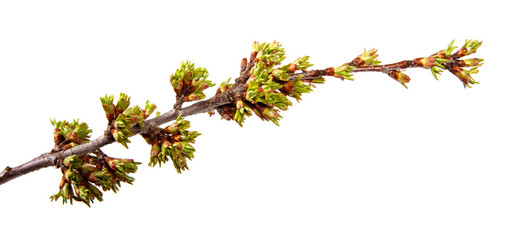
x: 84, y: 176
x: 173, y: 142
x: 67, y: 135
x: 447, y: 59
x: 189, y: 82
x: 269, y: 85
x: 122, y: 117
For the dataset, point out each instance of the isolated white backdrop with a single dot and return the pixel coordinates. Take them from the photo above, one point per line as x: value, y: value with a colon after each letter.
x: 354, y: 160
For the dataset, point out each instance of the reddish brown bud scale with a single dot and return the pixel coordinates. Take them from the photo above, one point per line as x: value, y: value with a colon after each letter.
x: 461, y: 53
x: 62, y: 183
x: 68, y: 146
x: 253, y: 55
x: 292, y: 67
x: 288, y: 87
x: 227, y: 112
x: 109, y: 117
x: 243, y: 64
x: 330, y: 71
x: 357, y: 62
x: 111, y: 162
x: 91, y: 178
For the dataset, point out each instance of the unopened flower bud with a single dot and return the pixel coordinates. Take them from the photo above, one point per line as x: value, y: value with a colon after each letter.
x: 239, y: 104
x: 427, y: 62
x: 73, y: 161
x: 473, y: 62
x: 191, y: 97
x: 399, y: 76
x: 155, y: 150
x: 172, y: 128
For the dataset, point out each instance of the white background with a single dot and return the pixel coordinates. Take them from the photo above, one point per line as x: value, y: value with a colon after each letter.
x: 354, y: 160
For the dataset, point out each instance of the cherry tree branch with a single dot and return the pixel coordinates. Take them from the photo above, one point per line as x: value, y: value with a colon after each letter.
x: 50, y: 159
x: 234, y: 97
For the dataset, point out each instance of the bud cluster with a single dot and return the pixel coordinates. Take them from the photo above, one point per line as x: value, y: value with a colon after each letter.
x: 342, y: 72
x: 188, y: 82
x: 269, y: 85
x: 82, y: 175
x: 122, y: 117
x: 173, y: 142
x: 447, y: 60
x: 367, y: 58
x: 399, y: 76
x: 67, y: 135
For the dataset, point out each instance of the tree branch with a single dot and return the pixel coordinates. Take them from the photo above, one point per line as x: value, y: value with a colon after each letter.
x: 50, y: 159
x: 235, y: 97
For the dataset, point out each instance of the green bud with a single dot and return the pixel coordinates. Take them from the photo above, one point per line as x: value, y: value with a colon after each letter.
x: 95, y: 192
x: 155, y: 150
x: 87, y: 168
x: 73, y: 161
x: 367, y: 58
x: 123, y: 103
x: 107, y: 103
x: 172, y: 128
x: 149, y: 109
x: 73, y: 176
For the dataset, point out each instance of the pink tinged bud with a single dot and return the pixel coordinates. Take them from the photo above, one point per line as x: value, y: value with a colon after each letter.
x: 203, y: 86
x: 165, y: 145
x: 473, y: 62
x: 191, y: 97
x: 115, y: 134
x: 459, y: 73
x: 240, y: 104
x: 270, y: 113
x: 172, y: 128
x: 399, y: 76
x: 427, y: 62
x: 223, y: 88
x: 155, y: 150
x: 111, y: 162
x: 462, y: 52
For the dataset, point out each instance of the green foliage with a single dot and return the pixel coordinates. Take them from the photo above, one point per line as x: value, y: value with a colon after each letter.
x: 123, y: 117
x: 269, y: 86
x: 173, y: 142
x: 447, y: 59
x: 264, y: 88
x: 189, y: 82
x: 83, y: 175
x: 67, y: 135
